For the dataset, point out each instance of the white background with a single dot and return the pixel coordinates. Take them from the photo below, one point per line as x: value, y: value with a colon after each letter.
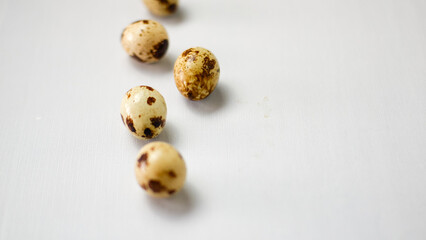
x: 317, y: 129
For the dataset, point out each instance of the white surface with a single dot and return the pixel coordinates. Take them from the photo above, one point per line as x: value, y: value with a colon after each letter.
x: 316, y: 131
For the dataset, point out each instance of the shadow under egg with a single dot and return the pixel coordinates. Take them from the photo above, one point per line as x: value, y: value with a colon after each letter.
x: 176, y: 205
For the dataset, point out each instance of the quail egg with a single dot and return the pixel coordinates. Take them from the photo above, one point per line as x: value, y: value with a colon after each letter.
x: 145, y: 40
x: 160, y: 169
x: 161, y: 7
x: 196, y: 73
x: 143, y: 111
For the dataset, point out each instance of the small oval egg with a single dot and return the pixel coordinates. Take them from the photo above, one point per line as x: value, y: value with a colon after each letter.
x: 160, y: 169
x: 143, y: 111
x: 196, y: 72
x: 145, y: 40
x: 161, y: 7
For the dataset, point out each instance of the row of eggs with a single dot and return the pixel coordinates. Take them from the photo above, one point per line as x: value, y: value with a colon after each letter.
x: 160, y: 169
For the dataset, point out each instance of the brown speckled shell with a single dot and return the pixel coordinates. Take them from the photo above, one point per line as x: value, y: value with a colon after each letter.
x: 160, y: 169
x: 162, y: 7
x: 145, y: 40
x: 144, y: 112
x: 196, y: 73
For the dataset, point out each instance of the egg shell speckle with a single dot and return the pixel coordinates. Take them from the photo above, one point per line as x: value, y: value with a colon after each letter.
x: 160, y: 169
x: 145, y: 40
x: 162, y: 7
x: 196, y: 73
x: 143, y: 111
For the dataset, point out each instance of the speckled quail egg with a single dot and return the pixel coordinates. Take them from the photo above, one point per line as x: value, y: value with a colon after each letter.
x: 161, y: 7
x: 160, y: 169
x: 196, y: 73
x: 144, y: 111
x: 145, y: 40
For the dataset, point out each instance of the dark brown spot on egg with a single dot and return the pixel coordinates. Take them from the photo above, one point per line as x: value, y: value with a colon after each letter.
x: 145, y: 21
x: 139, y: 116
x: 143, y: 186
x: 158, y: 121
x: 147, y: 87
x: 208, y: 64
x: 122, y: 119
x: 160, y: 49
x: 172, y: 174
x: 143, y: 159
x: 129, y: 122
x: 148, y: 132
x: 186, y: 52
x: 129, y: 95
x: 150, y: 100
x: 156, y: 186
x: 172, y: 8
x: 171, y: 192
x: 190, y: 95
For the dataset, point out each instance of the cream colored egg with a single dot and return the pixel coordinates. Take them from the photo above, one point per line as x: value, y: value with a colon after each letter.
x: 143, y: 111
x: 160, y: 169
x: 196, y: 73
x: 161, y: 7
x: 145, y: 40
